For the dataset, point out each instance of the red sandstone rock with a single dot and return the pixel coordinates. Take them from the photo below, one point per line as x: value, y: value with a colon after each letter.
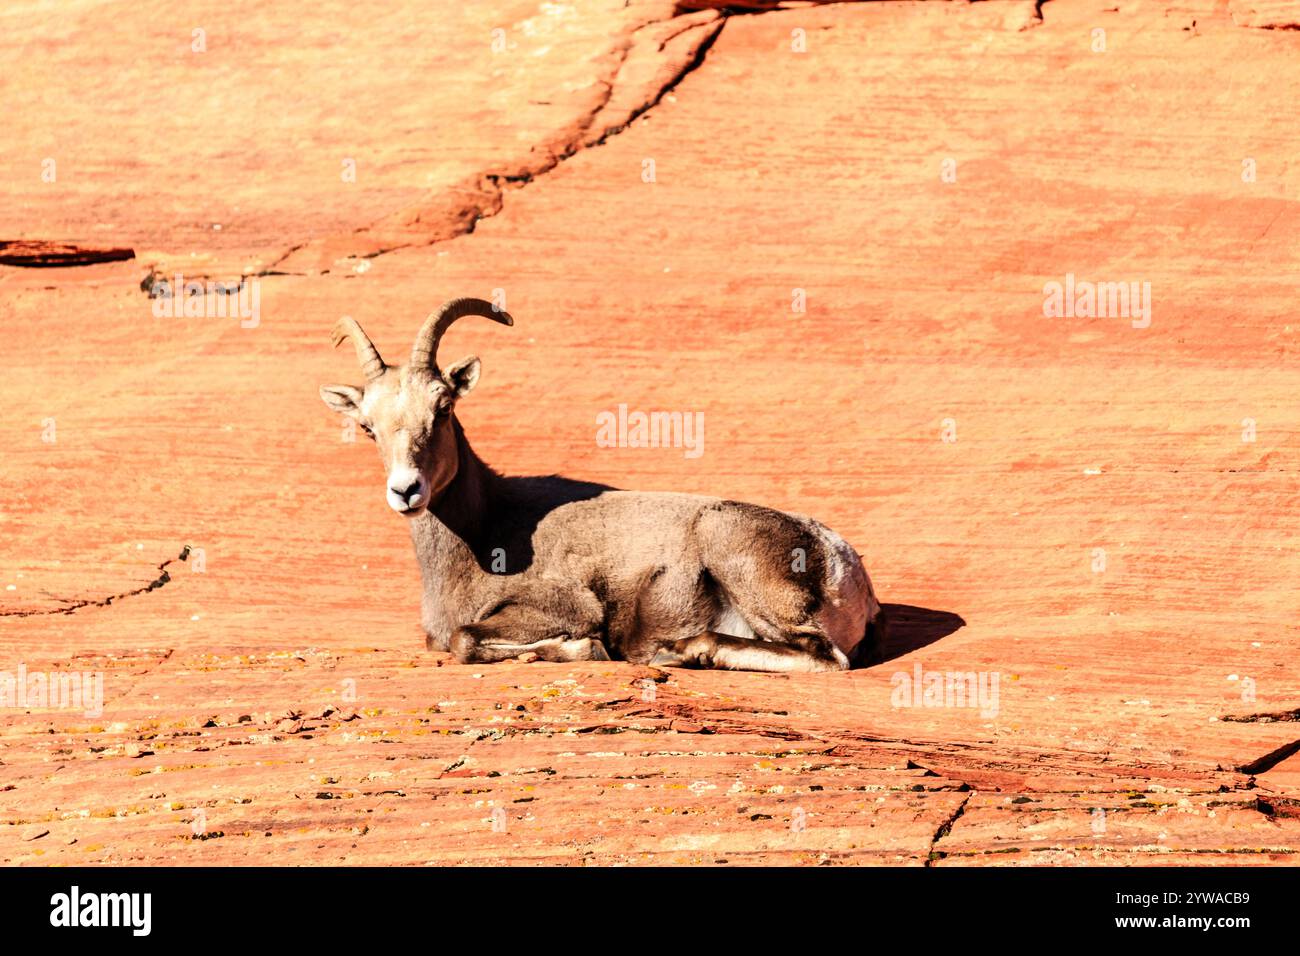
x: 1129, y: 723
x: 1266, y: 14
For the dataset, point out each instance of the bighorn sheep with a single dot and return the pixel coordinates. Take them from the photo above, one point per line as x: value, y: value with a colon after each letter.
x: 571, y: 570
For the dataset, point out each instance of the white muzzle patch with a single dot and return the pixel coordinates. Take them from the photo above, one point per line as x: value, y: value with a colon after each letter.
x: 408, y: 492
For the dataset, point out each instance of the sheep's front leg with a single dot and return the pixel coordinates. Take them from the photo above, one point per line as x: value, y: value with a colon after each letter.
x: 435, y: 633
x: 520, y: 629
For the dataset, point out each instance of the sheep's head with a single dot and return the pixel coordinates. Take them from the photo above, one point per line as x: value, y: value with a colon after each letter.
x: 407, y: 410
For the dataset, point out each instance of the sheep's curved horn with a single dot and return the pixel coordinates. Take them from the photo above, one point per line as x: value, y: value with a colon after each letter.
x: 371, y: 363
x: 425, y: 351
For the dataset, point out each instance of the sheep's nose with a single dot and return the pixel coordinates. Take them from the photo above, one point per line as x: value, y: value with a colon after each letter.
x: 407, y: 494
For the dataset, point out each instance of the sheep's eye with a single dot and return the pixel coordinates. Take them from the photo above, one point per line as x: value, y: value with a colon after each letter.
x: 366, y: 428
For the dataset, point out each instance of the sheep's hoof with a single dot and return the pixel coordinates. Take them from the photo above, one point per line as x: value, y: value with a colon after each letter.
x: 665, y: 658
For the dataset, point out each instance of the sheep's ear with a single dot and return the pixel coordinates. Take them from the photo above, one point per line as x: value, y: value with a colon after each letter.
x: 463, y: 376
x: 343, y: 399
